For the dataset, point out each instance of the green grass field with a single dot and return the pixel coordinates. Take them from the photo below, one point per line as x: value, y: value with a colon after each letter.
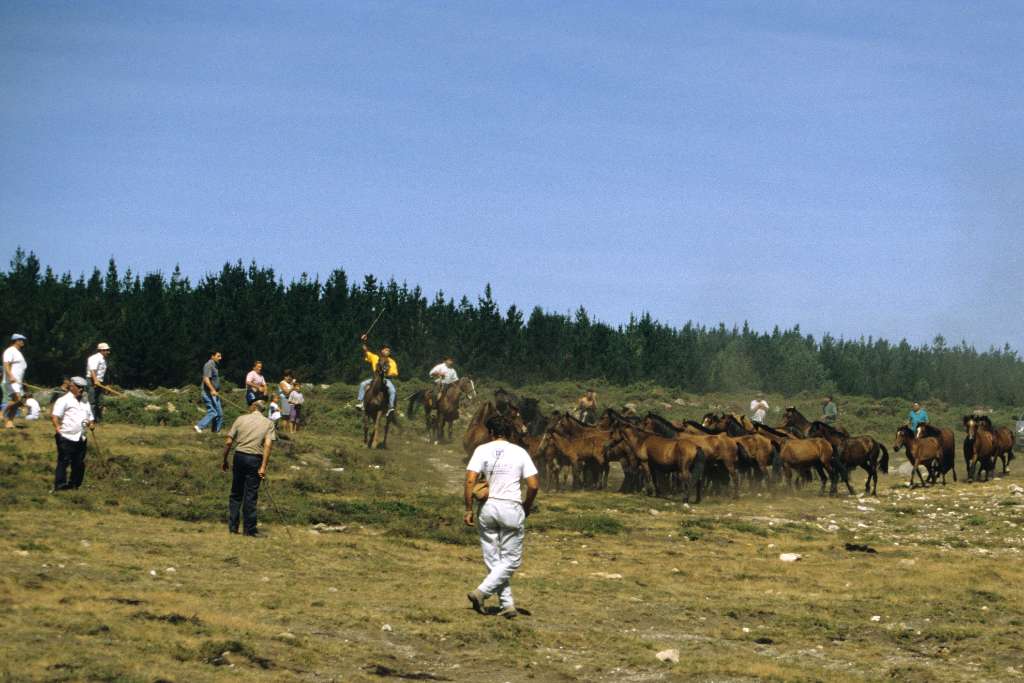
x: 134, y: 577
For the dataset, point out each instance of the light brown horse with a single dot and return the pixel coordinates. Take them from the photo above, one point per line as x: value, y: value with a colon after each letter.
x: 443, y: 411
x: 925, y: 451
x: 653, y: 453
x: 980, y: 447
x: 718, y: 449
x: 948, y: 443
x: 477, y: 433
x: 759, y: 450
x: 1004, y: 440
x: 804, y: 455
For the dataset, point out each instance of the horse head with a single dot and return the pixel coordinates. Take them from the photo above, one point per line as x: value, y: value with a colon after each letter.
x: 971, y: 424
x: 903, y: 437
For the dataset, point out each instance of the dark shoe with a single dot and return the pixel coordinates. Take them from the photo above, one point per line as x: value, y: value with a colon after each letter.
x: 476, y: 598
x: 232, y: 531
x: 252, y: 533
x: 509, y: 613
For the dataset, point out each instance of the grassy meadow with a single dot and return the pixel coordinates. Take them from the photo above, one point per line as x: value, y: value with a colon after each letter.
x: 362, y: 572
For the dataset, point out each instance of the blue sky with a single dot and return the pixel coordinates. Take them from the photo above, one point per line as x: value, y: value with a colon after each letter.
x: 856, y: 168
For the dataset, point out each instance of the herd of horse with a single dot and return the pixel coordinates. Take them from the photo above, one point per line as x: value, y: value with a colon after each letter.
x: 663, y: 457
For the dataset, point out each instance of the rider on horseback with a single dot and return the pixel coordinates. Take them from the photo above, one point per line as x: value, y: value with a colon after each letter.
x: 392, y: 371
x: 444, y: 376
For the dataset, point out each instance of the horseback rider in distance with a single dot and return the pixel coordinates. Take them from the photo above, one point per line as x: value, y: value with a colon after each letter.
x: 392, y: 371
x: 444, y: 375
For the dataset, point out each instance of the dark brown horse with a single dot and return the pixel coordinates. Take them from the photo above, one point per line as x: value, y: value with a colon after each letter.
x: 1004, y: 440
x: 925, y: 451
x: 653, y: 453
x: 376, y: 419
x: 855, y: 451
x: 981, y: 447
x: 948, y: 442
x: 442, y: 411
x: 477, y: 433
x: 794, y: 422
x: 805, y: 455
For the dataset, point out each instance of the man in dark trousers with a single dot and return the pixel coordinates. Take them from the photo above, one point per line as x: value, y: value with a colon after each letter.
x: 251, y: 436
x: 71, y: 415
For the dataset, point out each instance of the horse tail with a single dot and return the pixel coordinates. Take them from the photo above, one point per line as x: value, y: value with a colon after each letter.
x: 415, y: 400
x: 883, y: 462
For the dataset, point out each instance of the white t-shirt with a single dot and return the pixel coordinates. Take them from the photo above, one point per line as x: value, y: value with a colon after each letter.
x: 504, y: 465
x: 447, y: 374
x: 98, y: 364
x: 275, y: 411
x: 73, y: 415
x: 759, y: 415
x: 13, y: 355
x: 32, y: 406
x: 296, y: 398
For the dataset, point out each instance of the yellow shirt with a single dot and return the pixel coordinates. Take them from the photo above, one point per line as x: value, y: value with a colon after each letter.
x: 373, y: 359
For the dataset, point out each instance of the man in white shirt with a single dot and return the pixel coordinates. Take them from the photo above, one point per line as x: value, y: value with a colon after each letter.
x: 444, y: 375
x: 760, y: 409
x: 14, y: 376
x: 32, y: 406
x: 71, y: 415
x: 501, y: 519
x: 96, y: 372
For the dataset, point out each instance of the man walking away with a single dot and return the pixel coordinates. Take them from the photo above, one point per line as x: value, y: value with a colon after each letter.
x: 210, y: 391
x: 444, y: 375
x: 14, y: 375
x: 916, y: 416
x: 96, y: 372
x: 501, y: 520
x: 372, y: 358
x: 71, y: 414
x: 251, y: 436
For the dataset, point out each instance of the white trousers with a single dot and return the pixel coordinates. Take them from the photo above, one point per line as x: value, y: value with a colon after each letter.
x: 501, y: 527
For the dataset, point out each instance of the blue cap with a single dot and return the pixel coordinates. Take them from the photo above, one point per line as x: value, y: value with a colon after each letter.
x: 16, y: 337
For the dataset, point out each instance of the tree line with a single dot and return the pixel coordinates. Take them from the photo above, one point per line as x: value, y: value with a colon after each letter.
x: 163, y: 328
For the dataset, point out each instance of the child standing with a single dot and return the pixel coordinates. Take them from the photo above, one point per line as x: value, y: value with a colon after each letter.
x: 295, y: 400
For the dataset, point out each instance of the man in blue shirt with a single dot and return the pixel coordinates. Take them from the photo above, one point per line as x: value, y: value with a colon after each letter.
x: 210, y: 392
x: 916, y: 416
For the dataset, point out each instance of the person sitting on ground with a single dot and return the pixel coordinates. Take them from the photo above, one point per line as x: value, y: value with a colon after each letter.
x: 444, y: 375
x: 586, y: 407
x: 13, y: 377
x: 295, y: 399
x: 916, y: 416
x: 392, y: 371
x: 32, y: 406
x: 829, y: 411
x: 255, y: 384
x: 96, y: 374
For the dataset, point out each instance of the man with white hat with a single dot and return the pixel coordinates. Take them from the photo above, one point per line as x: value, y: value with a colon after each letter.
x: 14, y: 375
x: 71, y: 415
x: 96, y: 372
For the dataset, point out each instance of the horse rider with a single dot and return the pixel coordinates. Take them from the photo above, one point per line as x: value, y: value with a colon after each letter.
x: 392, y: 371
x: 444, y: 376
x: 586, y: 407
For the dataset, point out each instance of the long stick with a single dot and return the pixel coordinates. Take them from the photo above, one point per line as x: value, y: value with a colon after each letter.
x: 374, y: 323
x: 277, y: 510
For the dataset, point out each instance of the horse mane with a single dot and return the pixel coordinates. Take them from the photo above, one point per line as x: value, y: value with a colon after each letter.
x: 930, y: 430
x: 985, y: 420
x: 772, y: 430
x: 697, y: 425
x: 826, y: 427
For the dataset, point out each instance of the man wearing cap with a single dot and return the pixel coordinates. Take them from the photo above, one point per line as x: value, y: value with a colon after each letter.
x: 96, y: 371
x: 372, y: 358
x: 444, y: 376
x: 14, y: 375
x: 70, y: 416
x: 251, y: 435
x: 210, y: 392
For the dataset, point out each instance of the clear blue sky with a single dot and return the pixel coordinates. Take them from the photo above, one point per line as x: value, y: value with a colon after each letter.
x: 855, y: 168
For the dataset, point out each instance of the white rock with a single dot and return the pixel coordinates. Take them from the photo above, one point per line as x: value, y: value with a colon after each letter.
x: 790, y: 557
x: 606, y: 575
x: 671, y: 656
x: 152, y: 572
x: 386, y: 627
x: 171, y: 570
x: 22, y: 553
x: 654, y: 512
x: 876, y: 618
x: 85, y: 543
x: 332, y: 589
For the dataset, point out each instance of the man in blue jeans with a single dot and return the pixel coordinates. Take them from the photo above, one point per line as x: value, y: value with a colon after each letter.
x: 210, y: 392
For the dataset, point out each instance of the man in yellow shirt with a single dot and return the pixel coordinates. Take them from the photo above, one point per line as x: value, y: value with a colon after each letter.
x: 373, y: 359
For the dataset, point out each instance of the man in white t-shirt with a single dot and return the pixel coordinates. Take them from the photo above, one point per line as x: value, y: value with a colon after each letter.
x: 501, y: 519
x: 32, y: 406
x: 96, y: 372
x: 760, y: 410
x: 71, y: 415
x: 444, y: 375
x: 14, y: 376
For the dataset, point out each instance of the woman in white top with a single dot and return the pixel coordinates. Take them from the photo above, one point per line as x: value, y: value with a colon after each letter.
x: 284, y: 388
x: 501, y: 519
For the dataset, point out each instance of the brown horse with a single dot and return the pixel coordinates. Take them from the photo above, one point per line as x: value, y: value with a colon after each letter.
x: 804, y: 455
x: 718, y: 449
x: 1004, y: 440
x: 477, y: 433
x: 948, y: 442
x: 759, y: 449
x: 443, y: 411
x: 925, y: 451
x: 795, y: 423
x: 980, y: 447
x: 855, y: 451
x: 376, y: 419
x: 654, y: 453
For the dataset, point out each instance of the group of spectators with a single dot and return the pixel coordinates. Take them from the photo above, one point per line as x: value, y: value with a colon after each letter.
x: 283, y: 405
